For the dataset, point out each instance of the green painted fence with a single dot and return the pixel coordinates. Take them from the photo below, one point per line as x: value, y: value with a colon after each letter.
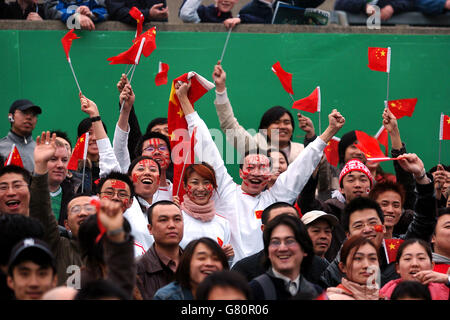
x: 33, y: 66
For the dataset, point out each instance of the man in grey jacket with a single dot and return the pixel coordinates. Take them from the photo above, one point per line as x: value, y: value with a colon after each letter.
x: 23, y: 118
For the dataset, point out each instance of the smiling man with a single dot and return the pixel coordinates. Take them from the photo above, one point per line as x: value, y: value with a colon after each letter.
x: 23, y: 118
x: 31, y: 270
x: 243, y: 204
x: 14, y: 190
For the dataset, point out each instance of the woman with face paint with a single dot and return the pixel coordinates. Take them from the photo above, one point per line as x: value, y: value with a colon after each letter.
x: 199, y: 212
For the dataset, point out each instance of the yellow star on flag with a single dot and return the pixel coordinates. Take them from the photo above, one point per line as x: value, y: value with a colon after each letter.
x: 172, y: 136
x: 392, y: 246
x: 180, y: 113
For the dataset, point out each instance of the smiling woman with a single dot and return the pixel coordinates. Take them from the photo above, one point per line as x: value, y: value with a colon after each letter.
x: 200, y: 258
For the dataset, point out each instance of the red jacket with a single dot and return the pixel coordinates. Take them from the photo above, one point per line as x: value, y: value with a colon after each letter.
x: 438, y: 291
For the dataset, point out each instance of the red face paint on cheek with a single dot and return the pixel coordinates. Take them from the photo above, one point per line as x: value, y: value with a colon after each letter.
x: 134, y: 177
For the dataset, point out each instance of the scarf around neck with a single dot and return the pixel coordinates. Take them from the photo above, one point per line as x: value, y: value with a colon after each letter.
x: 204, y: 212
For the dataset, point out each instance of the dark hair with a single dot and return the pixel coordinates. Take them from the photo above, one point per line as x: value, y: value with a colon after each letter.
x: 182, y: 275
x: 357, y: 204
x: 117, y: 176
x: 269, y: 152
x: 411, y: 241
x: 411, y: 289
x: 136, y: 161
x: 14, y: 228
x: 301, y: 236
x: 203, y: 169
x: 17, y: 170
x: 100, y: 289
x: 266, y: 212
x: 223, y: 279
x: 63, y: 135
x: 158, y: 203
x: 434, y: 169
x: 385, y: 186
x: 155, y: 122
x: 346, y: 140
x: 258, y: 150
x: 355, y: 242
x: 85, y: 125
x: 273, y: 114
x: 150, y: 135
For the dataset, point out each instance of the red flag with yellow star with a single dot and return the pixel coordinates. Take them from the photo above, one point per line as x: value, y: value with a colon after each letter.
x: 379, y: 59
x: 368, y: 145
x: 14, y: 158
x: 332, y: 151
x: 67, y: 42
x: 79, y: 151
x: 444, y: 133
x: 139, y: 17
x: 402, y: 107
x: 182, y: 146
x: 391, y: 247
x: 309, y: 104
x: 143, y: 44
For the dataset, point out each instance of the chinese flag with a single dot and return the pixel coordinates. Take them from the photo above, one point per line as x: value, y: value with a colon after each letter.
x: 379, y: 59
x: 332, y: 151
x: 285, y: 77
x: 402, y: 107
x: 309, y: 104
x: 79, y: 151
x: 161, y: 77
x: 139, y: 17
x: 444, y: 133
x: 182, y: 146
x: 369, y: 145
x: 143, y: 44
x: 391, y: 247
x: 14, y: 158
x: 383, y: 138
x: 67, y: 42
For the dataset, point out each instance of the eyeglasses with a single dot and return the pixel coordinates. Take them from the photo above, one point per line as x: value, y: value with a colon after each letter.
x: 15, y: 186
x: 89, y: 208
x: 289, y: 242
x: 121, y: 194
x: 161, y: 148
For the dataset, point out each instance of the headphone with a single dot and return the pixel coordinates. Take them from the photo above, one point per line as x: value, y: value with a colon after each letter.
x: 11, y: 119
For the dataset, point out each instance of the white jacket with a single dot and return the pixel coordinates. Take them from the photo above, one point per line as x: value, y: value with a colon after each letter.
x: 243, y: 211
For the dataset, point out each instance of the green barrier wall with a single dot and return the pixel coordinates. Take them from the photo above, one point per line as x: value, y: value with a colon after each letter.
x: 33, y: 66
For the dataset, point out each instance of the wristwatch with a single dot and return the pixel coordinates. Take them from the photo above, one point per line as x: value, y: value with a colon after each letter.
x: 97, y: 118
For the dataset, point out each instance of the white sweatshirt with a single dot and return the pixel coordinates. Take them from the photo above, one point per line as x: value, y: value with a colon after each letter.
x: 243, y: 211
x: 217, y: 229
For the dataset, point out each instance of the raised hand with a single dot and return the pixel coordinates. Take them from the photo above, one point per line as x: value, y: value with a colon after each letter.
x: 220, y: 77
x: 44, y: 151
x: 305, y: 124
x: 410, y: 162
x: 127, y: 95
x: 122, y: 82
x: 111, y: 217
x: 88, y: 106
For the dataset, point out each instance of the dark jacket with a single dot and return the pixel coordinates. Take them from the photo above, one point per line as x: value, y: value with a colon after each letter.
x: 253, y: 266
x: 119, y: 9
x: 260, y: 12
x: 152, y: 274
x: 13, y: 10
x: 66, y: 251
x: 68, y: 191
x: 359, y: 6
x: 278, y: 289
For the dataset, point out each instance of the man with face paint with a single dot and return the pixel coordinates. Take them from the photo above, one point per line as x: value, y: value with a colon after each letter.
x: 242, y: 204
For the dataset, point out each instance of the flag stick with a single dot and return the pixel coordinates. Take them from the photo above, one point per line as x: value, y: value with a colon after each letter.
x: 73, y: 72
x: 84, y: 161
x: 387, y: 89
x: 292, y: 97
x: 8, y: 162
x: 226, y: 44
x: 131, y: 78
x: 182, y: 171
x: 439, y: 160
x: 320, y: 125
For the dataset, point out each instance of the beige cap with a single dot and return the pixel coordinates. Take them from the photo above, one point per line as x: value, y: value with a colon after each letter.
x: 316, y: 214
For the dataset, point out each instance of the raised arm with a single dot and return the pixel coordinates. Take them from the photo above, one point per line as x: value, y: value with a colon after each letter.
x: 236, y: 135
x: 107, y: 159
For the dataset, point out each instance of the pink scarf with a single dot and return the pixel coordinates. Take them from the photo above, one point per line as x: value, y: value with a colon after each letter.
x: 204, y: 212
